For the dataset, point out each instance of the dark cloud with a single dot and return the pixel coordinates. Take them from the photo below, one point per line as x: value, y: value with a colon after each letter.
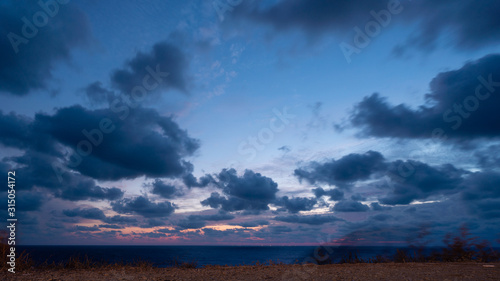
x: 15, y: 130
x: 277, y: 229
x: 251, y: 223
x: 310, y: 219
x: 97, y: 94
x: 436, y: 18
x: 422, y: 182
x: 482, y: 194
x: 403, y: 181
x: 199, y: 221
x: 313, y: 17
x: 191, y: 181
x: 37, y: 171
x: 214, y: 217
x: 344, y: 171
x: 250, y: 192
x: 164, y: 190
x: 89, y: 213
x: 111, y: 226
x: 381, y: 217
x: 488, y: 158
x: 350, y: 206
x: 462, y: 105
x: 87, y: 228
x: 165, y: 65
x: 29, y: 201
x: 152, y: 223
x: 144, y: 207
x: 87, y: 190
x: 191, y: 223
x: 121, y: 220
x: 143, y: 143
x: 28, y: 64
x: 433, y: 19
x: 358, y: 197
x: 377, y: 207
x: 335, y: 194
x: 296, y: 204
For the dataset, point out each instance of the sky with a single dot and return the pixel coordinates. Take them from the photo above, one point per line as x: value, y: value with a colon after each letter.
x: 263, y: 122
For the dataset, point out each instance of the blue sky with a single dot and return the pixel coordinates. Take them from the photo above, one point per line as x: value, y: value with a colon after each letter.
x: 230, y: 82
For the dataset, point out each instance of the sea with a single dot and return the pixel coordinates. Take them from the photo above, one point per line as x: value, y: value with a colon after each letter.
x: 164, y: 256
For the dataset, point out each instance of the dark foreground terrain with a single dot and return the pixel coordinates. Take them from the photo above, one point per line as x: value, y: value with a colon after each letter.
x: 385, y: 271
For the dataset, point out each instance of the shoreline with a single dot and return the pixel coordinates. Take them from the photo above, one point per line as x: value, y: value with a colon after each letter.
x: 365, y: 271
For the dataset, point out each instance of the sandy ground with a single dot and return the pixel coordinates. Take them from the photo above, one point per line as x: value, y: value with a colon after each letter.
x: 390, y: 271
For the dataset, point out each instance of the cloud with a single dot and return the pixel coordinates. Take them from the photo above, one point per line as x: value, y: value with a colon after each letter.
x: 28, y: 201
x: 191, y: 181
x: 191, y: 223
x: 344, y: 171
x: 350, y: 206
x: 87, y: 190
x: 403, y: 182
x: 381, y: 217
x: 433, y: 19
x: 97, y: 94
x: 424, y: 181
x: 310, y: 219
x: 250, y: 192
x: 437, y: 18
x: 144, y: 143
x: 335, y: 194
x: 152, y: 223
x: 277, y: 229
x: 313, y: 17
x: 15, y: 130
x: 285, y: 149
x: 482, y: 195
x: 200, y: 221
x: 377, y: 207
x: 163, y: 190
x: 296, y: 204
x: 165, y: 64
x: 488, y: 157
x: 87, y: 228
x: 37, y: 170
x: 121, y: 220
x: 144, y: 207
x: 28, y: 63
x: 254, y: 223
x: 214, y: 217
x: 111, y: 226
x: 89, y: 213
x: 462, y: 106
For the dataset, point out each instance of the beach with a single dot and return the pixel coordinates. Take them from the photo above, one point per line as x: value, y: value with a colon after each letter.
x: 382, y: 271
